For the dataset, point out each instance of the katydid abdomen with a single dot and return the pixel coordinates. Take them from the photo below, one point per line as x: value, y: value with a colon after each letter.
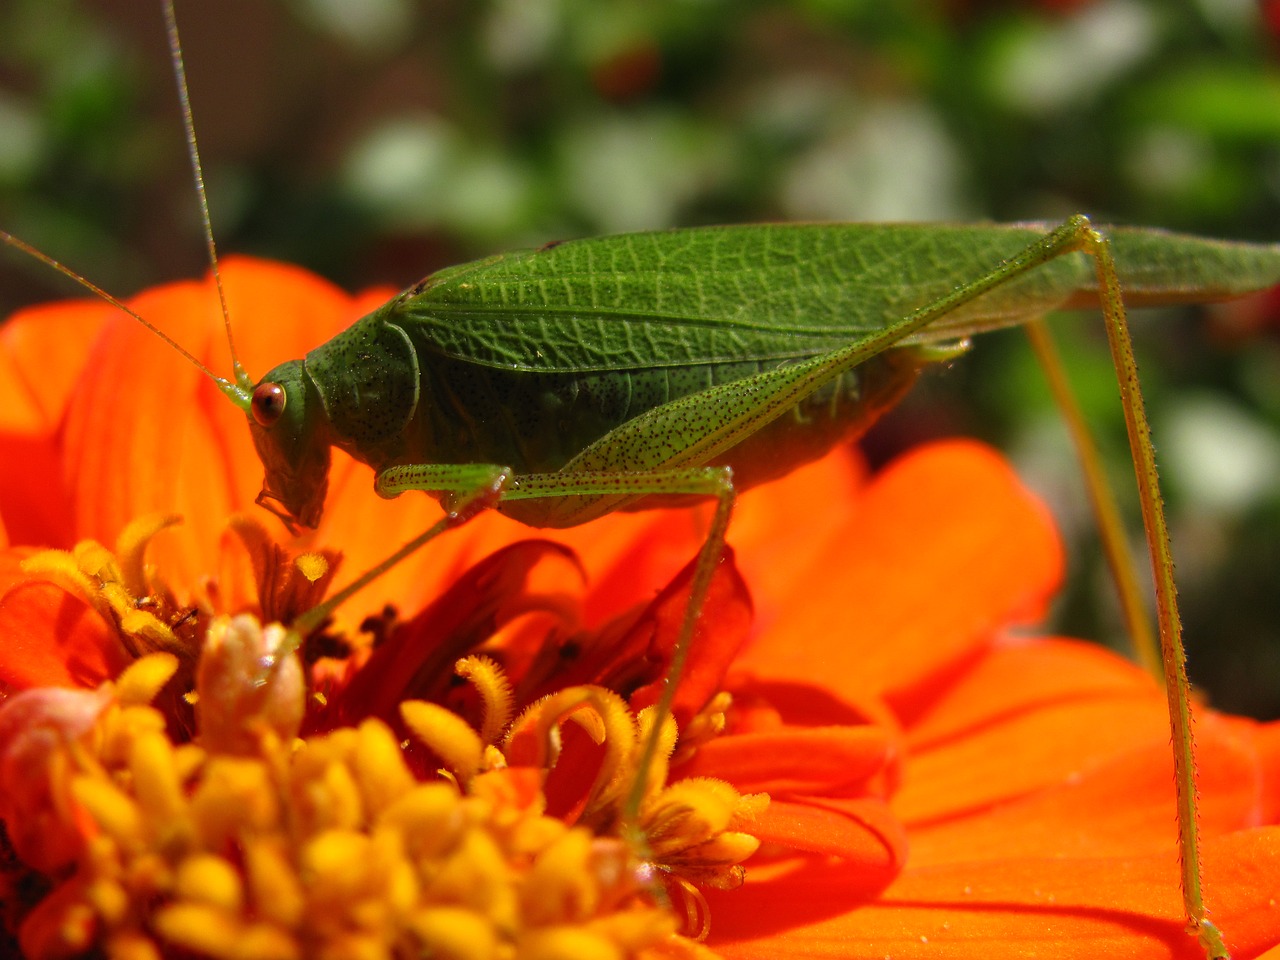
x: 538, y: 422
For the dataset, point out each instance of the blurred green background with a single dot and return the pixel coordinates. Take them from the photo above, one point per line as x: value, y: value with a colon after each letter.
x: 377, y: 141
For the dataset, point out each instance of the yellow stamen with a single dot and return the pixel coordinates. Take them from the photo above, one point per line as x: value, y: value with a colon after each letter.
x: 379, y: 768
x: 533, y: 739
x: 707, y: 724
x: 121, y: 587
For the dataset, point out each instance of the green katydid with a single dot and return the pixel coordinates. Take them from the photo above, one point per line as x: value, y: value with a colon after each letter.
x: 563, y: 383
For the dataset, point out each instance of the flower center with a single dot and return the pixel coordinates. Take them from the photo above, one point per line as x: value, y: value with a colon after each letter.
x: 265, y: 844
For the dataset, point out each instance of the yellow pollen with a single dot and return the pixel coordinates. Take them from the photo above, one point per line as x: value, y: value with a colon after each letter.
x: 313, y: 566
x: 288, y: 584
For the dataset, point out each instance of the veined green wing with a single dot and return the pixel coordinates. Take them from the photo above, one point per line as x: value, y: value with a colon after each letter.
x: 771, y: 291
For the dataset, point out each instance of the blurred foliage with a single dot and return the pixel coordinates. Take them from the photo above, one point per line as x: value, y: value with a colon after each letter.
x: 378, y: 141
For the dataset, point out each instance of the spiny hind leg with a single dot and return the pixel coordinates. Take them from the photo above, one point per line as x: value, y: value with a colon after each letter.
x: 1177, y: 687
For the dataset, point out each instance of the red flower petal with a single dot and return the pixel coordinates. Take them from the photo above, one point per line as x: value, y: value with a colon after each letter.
x: 418, y: 660
x: 639, y: 663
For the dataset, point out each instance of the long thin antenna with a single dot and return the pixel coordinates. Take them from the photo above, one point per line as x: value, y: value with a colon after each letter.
x: 236, y: 392
x: 193, y: 151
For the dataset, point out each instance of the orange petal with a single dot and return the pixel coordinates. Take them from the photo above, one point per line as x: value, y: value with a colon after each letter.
x: 1123, y: 806
x: 1267, y: 744
x: 1073, y: 909
x: 54, y: 639
x: 784, y: 529
x: 141, y: 436
x: 1024, y: 752
x: 945, y: 546
x: 43, y: 351
x: 1018, y: 675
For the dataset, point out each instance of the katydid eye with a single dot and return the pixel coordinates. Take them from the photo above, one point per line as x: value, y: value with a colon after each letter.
x: 268, y: 403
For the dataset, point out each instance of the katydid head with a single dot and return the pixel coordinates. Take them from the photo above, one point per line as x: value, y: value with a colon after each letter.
x: 282, y: 414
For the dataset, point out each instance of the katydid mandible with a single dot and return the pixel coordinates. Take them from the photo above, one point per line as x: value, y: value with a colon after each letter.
x: 559, y: 384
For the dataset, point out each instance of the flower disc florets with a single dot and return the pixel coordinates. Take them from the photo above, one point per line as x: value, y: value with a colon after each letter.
x: 264, y: 845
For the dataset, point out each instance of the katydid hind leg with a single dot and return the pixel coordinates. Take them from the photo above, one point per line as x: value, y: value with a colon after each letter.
x: 1177, y: 686
x: 1078, y: 235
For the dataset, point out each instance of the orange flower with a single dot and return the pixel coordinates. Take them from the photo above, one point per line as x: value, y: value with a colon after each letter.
x: 880, y: 703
